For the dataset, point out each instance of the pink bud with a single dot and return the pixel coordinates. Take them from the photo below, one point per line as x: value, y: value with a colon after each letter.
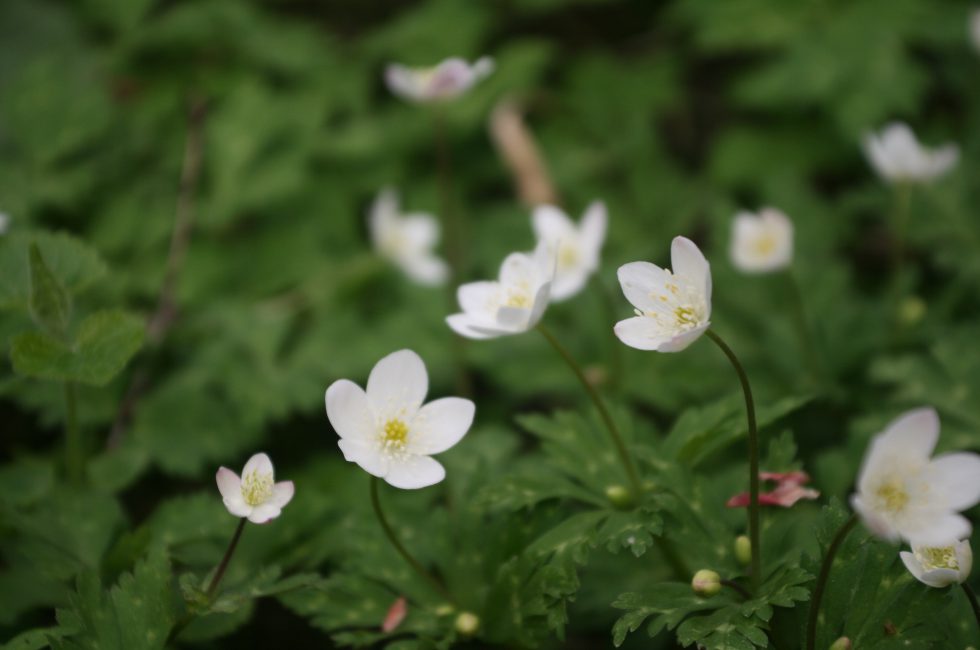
x: 396, y: 614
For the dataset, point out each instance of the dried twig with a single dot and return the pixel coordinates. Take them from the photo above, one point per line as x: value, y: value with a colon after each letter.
x: 516, y: 145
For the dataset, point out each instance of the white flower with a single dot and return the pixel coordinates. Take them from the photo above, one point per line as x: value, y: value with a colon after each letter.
x: 899, y: 158
x: 406, y: 240
x: 762, y: 242
x: 513, y: 304
x: 975, y: 28
x: 4, y: 223
x: 903, y: 494
x: 575, y: 248
x: 386, y: 429
x: 255, y: 495
x: 449, y: 79
x: 940, y: 566
x: 672, y: 309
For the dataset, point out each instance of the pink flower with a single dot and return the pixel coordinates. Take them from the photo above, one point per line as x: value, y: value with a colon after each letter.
x: 789, y: 490
x: 396, y: 614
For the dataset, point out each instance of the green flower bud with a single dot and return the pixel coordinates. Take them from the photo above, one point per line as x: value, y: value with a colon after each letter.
x: 842, y: 643
x: 619, y: 496
x: 743, y: 550
x: 706, y: 583
x: 467, y: 623
x: 911, y: 310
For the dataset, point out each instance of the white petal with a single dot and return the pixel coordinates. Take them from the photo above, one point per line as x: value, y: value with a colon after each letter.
x: 365, y: 454
x: 874, y: 522
x: 912, y: 564
x: 640, y: 332
x: 686, y: 259
x: 383, y: 214
x: 441, y: 424
x: 517, y: 269
x: 464, y: 325
x: 427, y: 270
x: 415, y: 472
x: 420, y: 230
x: 914, y: 433
x: 552, y: 225
x: 640, y: 281
x: 398, y: 384
x: 480, y: 300
x: 403, y: 82
x: 568, y: 284
x: 682, y: 341
x: 943, y: 160
x: 964, y: 560
x: 230, y: 487
x: 263, y: 513
x: 349, y: 411
x: 514, y: 320
x: 593, y: 229
x: 260, y: 464
x: 282, y: 493
x: 541, y: 300
x: 958, y: 476
x: 937, y: 578
x: 936, y: 529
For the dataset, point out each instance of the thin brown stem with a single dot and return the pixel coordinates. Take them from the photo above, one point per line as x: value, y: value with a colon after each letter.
x: 972, y: 597
x: 828, y: 561
x: 220, y: 571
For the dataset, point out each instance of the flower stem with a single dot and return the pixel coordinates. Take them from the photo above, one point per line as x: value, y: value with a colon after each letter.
x: 220, y: 572
x: 828, y: 560
x: 972, y: 597
x: 74, y: 446
x: 755, y: 567
x: 731, y: 584
x: 624, y: 455
x: 390, y: 533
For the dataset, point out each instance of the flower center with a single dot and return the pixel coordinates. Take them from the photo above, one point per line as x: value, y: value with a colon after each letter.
x: 764, y: 245
x: 943, y: 557
x: 518, y: 296
x: 395, y: 434
x: 567, y: 257
x: 256, y: 488
x: 892, y: 496
x: 679, y: 308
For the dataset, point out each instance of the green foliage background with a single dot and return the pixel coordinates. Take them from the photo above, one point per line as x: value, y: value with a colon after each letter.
x: 676, y: 114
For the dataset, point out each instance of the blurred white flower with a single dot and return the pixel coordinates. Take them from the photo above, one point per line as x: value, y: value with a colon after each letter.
x: 975, y: 28
x: 904, y: 494
x: 762, y: 242
x: 897, y: 156
x: 386, y: 429
x: 940, y: 566
x: 407, y: 240
x: 4, y: 222
x: 575, y: 248
x: 255, y: 495
x: 447, y: 80
x: 672, y: 308
x: 513, y: 304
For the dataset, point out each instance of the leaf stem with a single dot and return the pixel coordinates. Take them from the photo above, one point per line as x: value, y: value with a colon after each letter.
x: 755, y: 568
x: 220, y: 572
x: 828, y: 560
x: 390, y: 533
x: 74, y: 446
x: 972, y: 597
x: 617, y: 439
x: 731, y: 584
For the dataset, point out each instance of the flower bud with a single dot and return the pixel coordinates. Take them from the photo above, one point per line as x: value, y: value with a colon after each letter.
x: 911, y: 310
x: 467, y: 623
x: 842, y: 643
x: 743, y: 550
x: 619, y: 496
x: 706, y: 583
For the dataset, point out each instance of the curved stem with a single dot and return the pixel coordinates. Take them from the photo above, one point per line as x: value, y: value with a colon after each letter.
x: 74, y: 447
x: 390, y: 533
x: 755, y: 573
x: 624, y: 455
x: 828, y: 560
x: 972, y: 597
x: 220, y: 572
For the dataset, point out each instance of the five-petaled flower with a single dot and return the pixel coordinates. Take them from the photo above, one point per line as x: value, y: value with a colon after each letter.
x: 942, y: 565
x: 762, y: 242
x: 672, y: 308
x: 255, y: 495
x: 386, y: 429
x: 575, y: 248
x: 904, y: 494
x: 447, y: 80
x: 406, y: 240
x: 789, y: 489
x: 513, y: 304
x: 897, y: 156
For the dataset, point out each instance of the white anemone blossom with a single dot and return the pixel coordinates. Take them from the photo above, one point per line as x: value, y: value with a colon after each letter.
x: 897, y: 156
x: 447, y: 80
x: 407, y: 240
x: 575, y: 248
x: 762, y: 242
x: 513, y: 304
x: 255, y: 494
x: 904, y: 494
x: 673, y: 308
x: 940, y: 566
x: 387, y: 430
x: 4, y: 223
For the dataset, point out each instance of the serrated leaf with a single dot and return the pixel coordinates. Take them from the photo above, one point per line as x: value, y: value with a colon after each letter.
x: 50, y: 305
x: 103, y: 344
x: 73, y: 264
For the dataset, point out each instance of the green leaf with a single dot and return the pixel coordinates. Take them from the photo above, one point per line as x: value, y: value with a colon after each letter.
x: 73, y: 264
x: 50, y: 306
x: 104, y: 343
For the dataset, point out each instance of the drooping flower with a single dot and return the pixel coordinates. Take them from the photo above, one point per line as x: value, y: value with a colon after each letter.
x: 447, y: 80
x: 672, y: 308
x: 789, y: 489
x: 255, y: 494
x: 407, y: 240
x: 575, y: 248
x: 904, y: 494
x: 897, y: 156
x: 511, y: 305
x: 762, y: 242
x: 940, y: 566
x: 386, y: 429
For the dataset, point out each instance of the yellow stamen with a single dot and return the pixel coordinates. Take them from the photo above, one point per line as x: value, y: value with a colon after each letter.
x: 256, y: 488
x: 892, y: 495
x: 943, y: 557
x: 395, y: 434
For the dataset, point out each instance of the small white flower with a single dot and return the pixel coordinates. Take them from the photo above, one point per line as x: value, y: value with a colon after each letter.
x: 897, y: 156
x: 447, y: 80
x: 672, y: 308
x: 406, y: 240
x: 975, y: 28
x: 255, y: 495
x: 763, y: 242
x: 4, y: 222
x: 905, y: 494
x: 575, y: 248
x: 940, y: 566
x: 513, y: 304
x: 386, y: 429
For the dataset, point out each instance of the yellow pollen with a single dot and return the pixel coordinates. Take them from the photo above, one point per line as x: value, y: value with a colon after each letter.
x: 892, y: 496
x: 396, y: 433
x: 764, y: 245
x: 256, y: 488
x: 521, y: 300
x: 567, y: 257
x: 685, y: 316
x: 943, y: 557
